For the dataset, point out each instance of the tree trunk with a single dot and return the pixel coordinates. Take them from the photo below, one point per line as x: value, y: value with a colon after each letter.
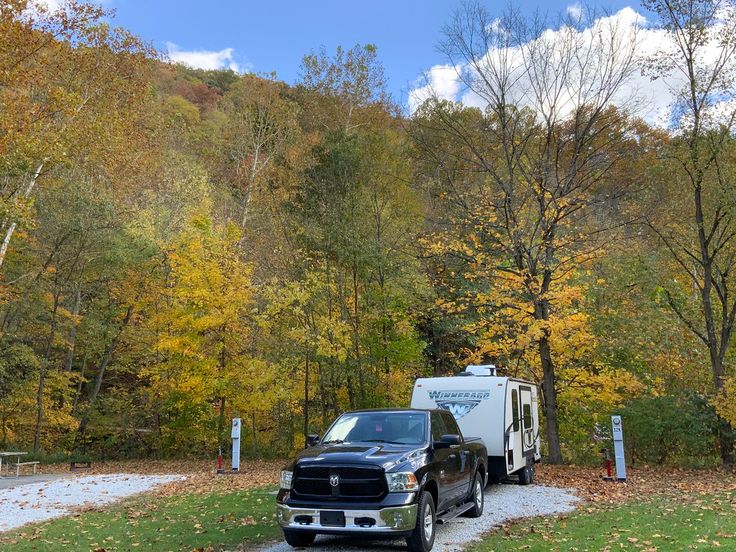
x: 42, y: 377
x: 716, y: 347
x: 253, y: 429
x: 550, y: 401
x: 221, y: 374
x: 356, y: 338
x: 322, y: 392
x: 306, y: 399
x: 79, y: 385
x: 68, y: 361
x: 73, y: 333
x: 13, y: 225
x: 221, y: 442
x: 104, y: 363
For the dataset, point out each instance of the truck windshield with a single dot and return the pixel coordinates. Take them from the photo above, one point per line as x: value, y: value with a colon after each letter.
x: 404, y: 428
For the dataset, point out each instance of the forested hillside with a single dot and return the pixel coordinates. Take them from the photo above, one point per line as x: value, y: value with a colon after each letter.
x: 182, y: 246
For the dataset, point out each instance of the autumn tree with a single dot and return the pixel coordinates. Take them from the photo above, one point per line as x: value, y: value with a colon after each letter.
x: 200, y: 323
x: 259, y: 127
x: 66, y: 77
x: 528, y: 173
x: 697, y: 62
x: 343, y: 85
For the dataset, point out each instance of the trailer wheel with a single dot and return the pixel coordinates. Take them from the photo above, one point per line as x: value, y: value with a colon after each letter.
x: 526, y: 474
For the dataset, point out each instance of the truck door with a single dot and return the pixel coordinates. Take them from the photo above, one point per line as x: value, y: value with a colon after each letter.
x: 527, y: 422
x: 445, y: 460
x: 463, y: 461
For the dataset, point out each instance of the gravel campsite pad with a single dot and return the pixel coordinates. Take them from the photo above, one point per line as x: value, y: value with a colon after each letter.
x: 503, y: 503
x: 41, y: 501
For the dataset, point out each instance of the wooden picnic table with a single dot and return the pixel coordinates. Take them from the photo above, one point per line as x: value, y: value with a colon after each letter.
x: 10, y: 455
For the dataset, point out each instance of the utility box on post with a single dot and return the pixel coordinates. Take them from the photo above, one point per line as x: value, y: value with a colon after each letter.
x: 618, y: 447
x: 235, y: 434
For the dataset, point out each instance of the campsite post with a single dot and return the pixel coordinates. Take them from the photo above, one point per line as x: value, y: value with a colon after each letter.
x: 618, y: 447
x: 235, y: 434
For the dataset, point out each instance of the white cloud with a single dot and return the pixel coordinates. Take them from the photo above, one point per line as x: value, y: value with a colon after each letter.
x: 653, y: 100
x: 51, y: 5
x: 54, y: 5
x: 575, y: 10
x: 203, y: 59
x: 441, y: 81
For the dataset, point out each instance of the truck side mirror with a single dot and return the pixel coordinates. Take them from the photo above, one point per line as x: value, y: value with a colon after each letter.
x: 312, y: 440
x: 447, y: 441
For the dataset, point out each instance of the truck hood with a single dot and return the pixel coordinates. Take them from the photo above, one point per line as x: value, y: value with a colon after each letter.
x: 385, y: 455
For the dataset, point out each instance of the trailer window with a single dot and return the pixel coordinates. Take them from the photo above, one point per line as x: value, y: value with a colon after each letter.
x: 527, y: 416
x: 515, y: 408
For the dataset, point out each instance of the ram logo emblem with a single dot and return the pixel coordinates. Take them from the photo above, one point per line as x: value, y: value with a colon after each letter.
x: 334, y: 480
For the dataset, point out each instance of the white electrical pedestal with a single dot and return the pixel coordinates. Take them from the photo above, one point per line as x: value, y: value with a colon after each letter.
x: 618, y: 447
x: 235, y: 434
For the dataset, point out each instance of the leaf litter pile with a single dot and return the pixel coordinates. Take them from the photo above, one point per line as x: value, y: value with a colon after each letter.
x: 586, y: 481
x: 641, y: 482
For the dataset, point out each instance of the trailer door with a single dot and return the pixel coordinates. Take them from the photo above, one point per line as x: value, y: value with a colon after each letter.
x: 527, y: 421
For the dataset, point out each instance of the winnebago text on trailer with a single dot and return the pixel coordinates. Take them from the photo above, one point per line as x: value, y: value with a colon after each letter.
x: 502, y: 411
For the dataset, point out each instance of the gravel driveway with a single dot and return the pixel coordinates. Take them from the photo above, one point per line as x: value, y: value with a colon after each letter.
x: 34, y: 502
x: 503, y: 502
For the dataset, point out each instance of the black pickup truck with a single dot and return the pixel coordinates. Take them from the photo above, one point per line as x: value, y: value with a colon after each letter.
x: 393, y: 472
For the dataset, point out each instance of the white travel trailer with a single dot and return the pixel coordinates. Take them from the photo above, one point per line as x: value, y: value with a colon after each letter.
x: 502, y: 411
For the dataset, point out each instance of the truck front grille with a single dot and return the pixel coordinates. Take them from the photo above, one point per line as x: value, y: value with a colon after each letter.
x: 354, y: 483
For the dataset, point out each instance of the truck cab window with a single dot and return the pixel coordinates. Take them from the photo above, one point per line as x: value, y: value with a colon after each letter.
x: 515, y: 408
x: 451, y: 424
x: 438, y: 426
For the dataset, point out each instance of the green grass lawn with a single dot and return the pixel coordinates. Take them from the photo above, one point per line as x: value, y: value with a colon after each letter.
x: 688, y: 522
x: 187, y: 522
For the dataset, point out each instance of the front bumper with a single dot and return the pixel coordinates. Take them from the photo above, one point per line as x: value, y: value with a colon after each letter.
x: 399, y: 519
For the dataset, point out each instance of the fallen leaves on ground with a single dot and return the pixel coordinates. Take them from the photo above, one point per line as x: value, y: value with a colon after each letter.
x: 641, y: 482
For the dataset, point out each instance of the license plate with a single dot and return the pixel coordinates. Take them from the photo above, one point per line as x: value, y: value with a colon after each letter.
x: 332, y: 519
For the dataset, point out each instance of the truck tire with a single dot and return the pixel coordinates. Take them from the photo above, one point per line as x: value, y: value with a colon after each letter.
x: 422, y: 537
x: 526, y: 474
x: 476, y: 495
x: 299, y: 539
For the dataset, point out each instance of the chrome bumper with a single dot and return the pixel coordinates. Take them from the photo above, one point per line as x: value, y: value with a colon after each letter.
x: 385, y: 520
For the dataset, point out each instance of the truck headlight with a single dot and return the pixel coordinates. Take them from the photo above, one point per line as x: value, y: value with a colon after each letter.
x: 401, y: 482
x: 286, y: 477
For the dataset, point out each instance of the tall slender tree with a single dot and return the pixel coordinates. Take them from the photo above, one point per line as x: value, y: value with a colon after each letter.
x: 698, y: 63
x: 535, y: 159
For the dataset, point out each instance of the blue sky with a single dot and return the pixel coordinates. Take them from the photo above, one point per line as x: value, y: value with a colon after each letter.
x: 273, y: 35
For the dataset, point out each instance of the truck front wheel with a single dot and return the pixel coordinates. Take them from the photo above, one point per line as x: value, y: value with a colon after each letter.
x: 299, y: 539
x: 422, y: 537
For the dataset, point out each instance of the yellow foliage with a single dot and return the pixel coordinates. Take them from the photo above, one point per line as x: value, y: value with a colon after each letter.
x: 725, y: 401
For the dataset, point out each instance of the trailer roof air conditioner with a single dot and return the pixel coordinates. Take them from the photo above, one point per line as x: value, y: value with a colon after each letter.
x: 479, y: 370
